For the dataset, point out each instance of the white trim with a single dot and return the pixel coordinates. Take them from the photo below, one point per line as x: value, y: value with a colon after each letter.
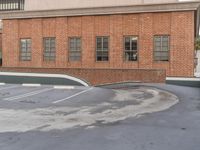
x: 197, y: 75
x: 102, y: 10
x: 31, y: 85
x: 45, y: 75
x: 79, y: 93
x: 27, y: 94
x: 182, y: 79
x: 2, y: 84
x: 64, y: 87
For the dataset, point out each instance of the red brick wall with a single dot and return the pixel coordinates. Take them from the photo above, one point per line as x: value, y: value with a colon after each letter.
x: 102, y: 76
x: 179, y: 25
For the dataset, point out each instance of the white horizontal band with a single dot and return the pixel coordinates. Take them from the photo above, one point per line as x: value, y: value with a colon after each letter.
x: 45, y: 75
x: 64, y: 87
x: 32, y: 85
x: 182, y: 79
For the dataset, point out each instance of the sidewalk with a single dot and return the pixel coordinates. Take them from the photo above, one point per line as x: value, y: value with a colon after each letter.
x: 192, y: 82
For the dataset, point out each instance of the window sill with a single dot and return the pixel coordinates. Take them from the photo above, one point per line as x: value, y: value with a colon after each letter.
x: 131, y: 61
x: 73, y: 62
x: 99, y: 62
x: 161, y: 62
x: 25, y: 61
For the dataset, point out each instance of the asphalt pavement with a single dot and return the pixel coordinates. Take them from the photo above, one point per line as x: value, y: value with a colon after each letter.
x: 128, y: 117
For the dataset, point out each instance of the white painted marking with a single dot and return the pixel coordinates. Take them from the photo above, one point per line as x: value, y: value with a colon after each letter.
x: 27, y: 94
x: 31, y: 85
x: 79, y: 93
x: 45, y: 75
x: 2, y: 84
x: 10, y: 87
x: 183, y: 79
x: 64, y: 87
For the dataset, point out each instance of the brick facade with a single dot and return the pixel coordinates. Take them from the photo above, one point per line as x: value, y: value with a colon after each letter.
x: 102, y: 76
x: 178, y: 25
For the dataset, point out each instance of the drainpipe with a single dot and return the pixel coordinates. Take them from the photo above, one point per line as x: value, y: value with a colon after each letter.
x: 197, y: 22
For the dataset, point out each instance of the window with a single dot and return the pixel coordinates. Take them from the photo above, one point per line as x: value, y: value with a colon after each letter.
x: 102, y: 47
x: 9, y: 5
x: 74, y: 49
x: 49, y: 49
x: 25, y: 49
x: 161, y: 48
x: 130, y: 48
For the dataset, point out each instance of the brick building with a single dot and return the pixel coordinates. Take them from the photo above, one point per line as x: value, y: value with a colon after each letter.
x: 156, y: 36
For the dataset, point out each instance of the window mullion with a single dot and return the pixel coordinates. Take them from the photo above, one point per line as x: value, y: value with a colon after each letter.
x: 76, y: 45
x: 161, y: 44
x: 102, y: 44
x: 161, y: 54
x: 26, y: 48
x: 49, y: 48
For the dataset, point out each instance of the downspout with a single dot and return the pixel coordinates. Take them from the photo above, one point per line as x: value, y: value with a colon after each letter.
x: 197, y: 22
x: 196, y: 59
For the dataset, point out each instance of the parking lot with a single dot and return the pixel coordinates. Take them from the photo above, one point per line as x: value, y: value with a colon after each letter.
x: 34, y: 116
x: 37, y: 94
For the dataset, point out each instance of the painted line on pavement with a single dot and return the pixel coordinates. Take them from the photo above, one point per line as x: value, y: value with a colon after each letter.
x: 2, y: 84
x: 31, y: 85
x: 79, y: 93
x: 27, y: 94
x: 10, y: 87
x: 45, y: 75
x: 64, y: 87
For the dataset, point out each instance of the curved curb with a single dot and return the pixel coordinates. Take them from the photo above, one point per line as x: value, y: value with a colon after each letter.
x: 17, y: 74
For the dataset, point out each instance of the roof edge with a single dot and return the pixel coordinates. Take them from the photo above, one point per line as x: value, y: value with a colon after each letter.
x: 142, y: 8
x: 135, y: 5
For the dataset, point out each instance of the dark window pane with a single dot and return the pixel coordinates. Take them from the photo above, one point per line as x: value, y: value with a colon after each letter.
x: 165, y: 38
x: 49, y: 49
x: 131, y: 56
x: 157, y: 39
x: 25, y: 49
x: 75, y: 56
x: 161, y: 48
x: 102, y: 45
x: 99, y: 43
x: 165, y: 48
x: 165, y: 43
x: 102, y: 55
x: 158, y: 44
x: 127, y: 43
x: 131, y: 47
x: 78, y: 44
x: 52, y: 49
x: 157, y: 48
x: 105, y: 44
x: 47, y: 54
x: 133, y: 43
x: 28, y: 54
x: 47, y: 42
x: 75, y: 49
x: 23, y: 44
